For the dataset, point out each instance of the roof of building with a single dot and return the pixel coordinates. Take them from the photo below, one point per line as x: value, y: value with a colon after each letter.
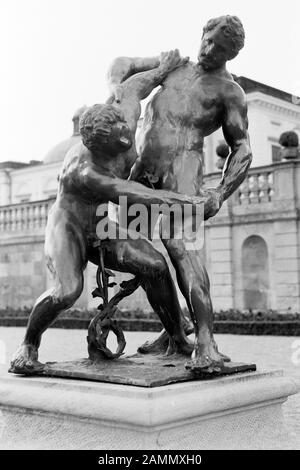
x: 13, y: 165
x: 250, y: 85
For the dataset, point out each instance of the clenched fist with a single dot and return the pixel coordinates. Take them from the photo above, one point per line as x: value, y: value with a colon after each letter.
x: 213, y: 200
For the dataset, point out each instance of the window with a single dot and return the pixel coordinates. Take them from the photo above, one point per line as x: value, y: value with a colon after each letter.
x: 276, y: 155
x: 255, y: 271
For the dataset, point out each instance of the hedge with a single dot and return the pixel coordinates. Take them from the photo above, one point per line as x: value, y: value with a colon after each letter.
x: 138, y: 314
x: 229, y: 322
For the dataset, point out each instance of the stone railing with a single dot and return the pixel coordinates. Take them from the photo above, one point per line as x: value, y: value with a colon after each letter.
x: 271, y: 191
x: 24, y: 216
x: 257, y: 187
x: 277, y: 184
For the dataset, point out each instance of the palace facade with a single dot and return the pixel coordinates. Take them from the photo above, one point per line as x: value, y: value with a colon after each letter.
x: 252, y: 247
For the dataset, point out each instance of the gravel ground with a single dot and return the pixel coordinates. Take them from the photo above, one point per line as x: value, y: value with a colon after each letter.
x: 268, y: 352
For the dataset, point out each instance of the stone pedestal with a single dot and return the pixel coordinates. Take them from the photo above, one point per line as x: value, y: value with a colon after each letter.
x: 234, y: 412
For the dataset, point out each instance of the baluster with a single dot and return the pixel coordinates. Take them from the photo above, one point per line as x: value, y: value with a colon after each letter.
x: 1, y: 221
x: 16, y: 214
x: 45, y: 211
x: 17, y: 217
x: 8, y: 220
x: 13, y: 219
x: 43, y: 215
x: 30, y: 217
x: 26, y: 217
x: 264, y: 187
x: 4, y: 220
x: 271, y: 186
x: 21, y: 222
x: 244, y: 192
x: 21, y: 218
x: 254, y: 189
x: 36, y: 216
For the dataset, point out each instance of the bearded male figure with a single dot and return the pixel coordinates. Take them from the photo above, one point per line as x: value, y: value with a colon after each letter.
x: 194, y: 101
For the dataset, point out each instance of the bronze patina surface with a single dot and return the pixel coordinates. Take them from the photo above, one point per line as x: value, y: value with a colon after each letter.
x: 139, y: 370
x: 194, y: 100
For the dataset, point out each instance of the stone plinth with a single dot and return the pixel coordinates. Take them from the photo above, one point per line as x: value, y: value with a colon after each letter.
x: 240, y: 411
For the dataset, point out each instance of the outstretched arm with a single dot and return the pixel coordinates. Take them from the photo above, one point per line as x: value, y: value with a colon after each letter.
x: 140, y: 84
x: 103, y: 188
x: 123, y: 67
x: 137, y: 87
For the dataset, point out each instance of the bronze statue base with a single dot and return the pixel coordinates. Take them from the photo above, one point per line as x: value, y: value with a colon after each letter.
x: 138, y: 370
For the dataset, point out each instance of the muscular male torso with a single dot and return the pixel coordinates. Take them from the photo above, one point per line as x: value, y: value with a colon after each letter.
x: 189, y: 106
x: 81, y: 204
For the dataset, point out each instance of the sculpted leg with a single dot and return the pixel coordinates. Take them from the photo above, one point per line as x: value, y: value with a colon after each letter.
x: 65, y: 263
x: 194, y: 284
x: 140, y: 258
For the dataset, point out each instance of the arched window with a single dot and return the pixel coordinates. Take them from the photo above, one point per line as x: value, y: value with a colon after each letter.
x: 255, y: 270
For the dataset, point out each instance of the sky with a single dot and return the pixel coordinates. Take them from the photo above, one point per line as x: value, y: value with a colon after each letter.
x: 55, y: 54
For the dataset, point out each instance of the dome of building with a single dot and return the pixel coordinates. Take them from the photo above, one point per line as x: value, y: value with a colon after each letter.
x: 59, y: 151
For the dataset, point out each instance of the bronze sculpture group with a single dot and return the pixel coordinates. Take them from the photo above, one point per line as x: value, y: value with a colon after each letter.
x: 194, y: 100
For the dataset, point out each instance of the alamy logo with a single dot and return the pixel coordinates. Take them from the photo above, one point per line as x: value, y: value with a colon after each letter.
x: 167, y: 222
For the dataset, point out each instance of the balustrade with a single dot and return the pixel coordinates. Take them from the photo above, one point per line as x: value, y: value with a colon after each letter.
x: 24, y: 216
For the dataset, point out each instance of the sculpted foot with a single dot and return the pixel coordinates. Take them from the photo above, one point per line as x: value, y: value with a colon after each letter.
x: 25, y: 361
x: 158, y: 346
x: 161, y: 344
x: 205, y: 360
x: 182, y: 346
x: 223, y: 356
